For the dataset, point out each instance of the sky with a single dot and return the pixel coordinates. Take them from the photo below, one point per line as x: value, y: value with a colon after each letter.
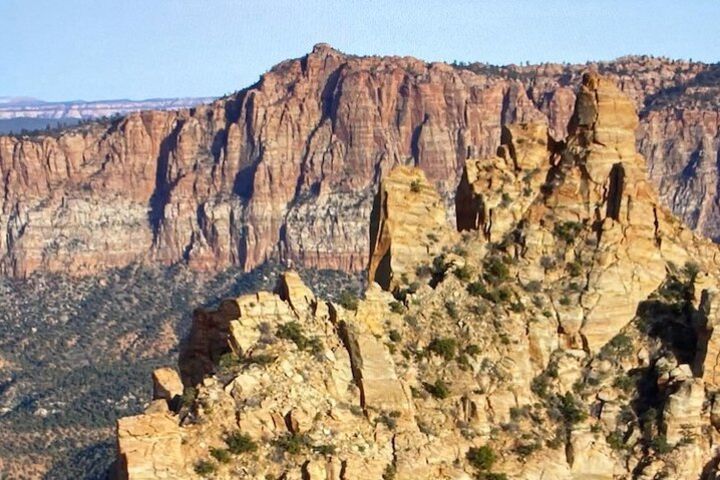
x: 110, y: 49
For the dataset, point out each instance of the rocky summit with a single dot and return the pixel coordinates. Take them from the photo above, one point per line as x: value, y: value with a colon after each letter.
x: 564, y: 329
x: 288, y: 167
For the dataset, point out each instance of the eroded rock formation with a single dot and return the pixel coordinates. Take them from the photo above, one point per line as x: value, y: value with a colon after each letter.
x: 288, y: 167
x: 571, y: 338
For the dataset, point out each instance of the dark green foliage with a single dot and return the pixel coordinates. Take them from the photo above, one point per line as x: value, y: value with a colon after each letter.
x: 415, y: 186
x: 189, y: 395
x: 73, y: 366
x: 229, y: 360
x: 506, y: 200
x: 571, y: 409
x: 259, y: 359
x: 439, y: 389
x: 533, y: 286
x: 389, y: 419
x: 616, y: 440
x: 691, y: 271
x: 397, y: 307
x: 472, y: 349
x: 574, y: 268
x: 451, y: 309
x: 222, y: 455
x: 348, y: 300
x: 476, y: 289
x: 326, y: 450
x: 567, y: 231
x: 661, y: 445
x: 390, y: 472
x: 624, y: 383
x: 239, y: 443
x: 463, y: 273
x: 482, y: 458
x: 620, y: 347
x: 547, y: 262
x: 394, y: 336
x: 205, y: 468
x: 294, y: 444
x: 444, y: 347
x: 293, y: 331
x: 501, y: 294
x: 526, y: 449
x: 495, y: 270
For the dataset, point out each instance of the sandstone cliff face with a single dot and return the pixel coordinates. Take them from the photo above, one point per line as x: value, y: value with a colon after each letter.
x: 289, y: 166
x: 568, y: 333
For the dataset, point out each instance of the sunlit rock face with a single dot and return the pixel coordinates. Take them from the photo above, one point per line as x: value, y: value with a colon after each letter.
x: 289, y: 167
x: 566, y: 331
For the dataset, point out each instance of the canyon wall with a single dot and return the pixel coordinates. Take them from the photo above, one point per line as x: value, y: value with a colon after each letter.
x: 288, y: 167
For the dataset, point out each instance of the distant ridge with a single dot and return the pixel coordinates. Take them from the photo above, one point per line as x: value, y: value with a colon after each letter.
x: 28, y: 113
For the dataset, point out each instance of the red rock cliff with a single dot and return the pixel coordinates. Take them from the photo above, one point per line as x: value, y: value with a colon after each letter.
x: 288, y: 167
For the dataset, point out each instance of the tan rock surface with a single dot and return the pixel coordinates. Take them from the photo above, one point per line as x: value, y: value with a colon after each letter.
x: 570, y: 344
x: 409, y: 227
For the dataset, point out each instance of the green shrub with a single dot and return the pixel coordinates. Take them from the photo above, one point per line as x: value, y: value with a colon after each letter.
x: 239, y: 443
x: 547, y: 262
x: 526, y: 449
x: 574, y: 268
x: 498, y: 295
x: 444, y: 347
x: 624, y: 383
x: 571, y: 410
x: 472, y: 349
x: 463, y: 273
x: 204, y: 468
x: 228, y: 360
x: 293, y: 331
x: 394, y: 336
x: 476, y: 289
x: 397, y: 307
x: 495, y: 270
x: 259, y: 359
x: 189, y: 395
x: 415, y: 186
x: 691, y: 270
x: 451, y: 309
x: 390, y: 472
x: 439, y: 389
x: 615, y: 440
x: 348, y: 300
x: 293, y: 444
x: 661, y: 445
x: 567, y: 231
x: 533, y: 286
x: 620, y: 346
x: 326, y: 450
x: 482, y: 458
x: 220, y: 454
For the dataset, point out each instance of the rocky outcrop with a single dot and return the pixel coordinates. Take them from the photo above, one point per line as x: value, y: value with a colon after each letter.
x: 554, y: 342
x: 287, y: 168
x: 150, y: 447
x: 408, y: 227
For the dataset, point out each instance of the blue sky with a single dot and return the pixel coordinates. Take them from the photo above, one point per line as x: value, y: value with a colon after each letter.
x: 102, y: 49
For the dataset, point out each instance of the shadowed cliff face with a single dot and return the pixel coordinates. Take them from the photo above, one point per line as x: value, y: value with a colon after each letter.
x: 288, y: 167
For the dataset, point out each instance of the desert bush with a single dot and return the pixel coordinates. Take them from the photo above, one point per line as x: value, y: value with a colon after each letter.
x: 443, y: 347
x: 239, y: 443
x: 439, y: 389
